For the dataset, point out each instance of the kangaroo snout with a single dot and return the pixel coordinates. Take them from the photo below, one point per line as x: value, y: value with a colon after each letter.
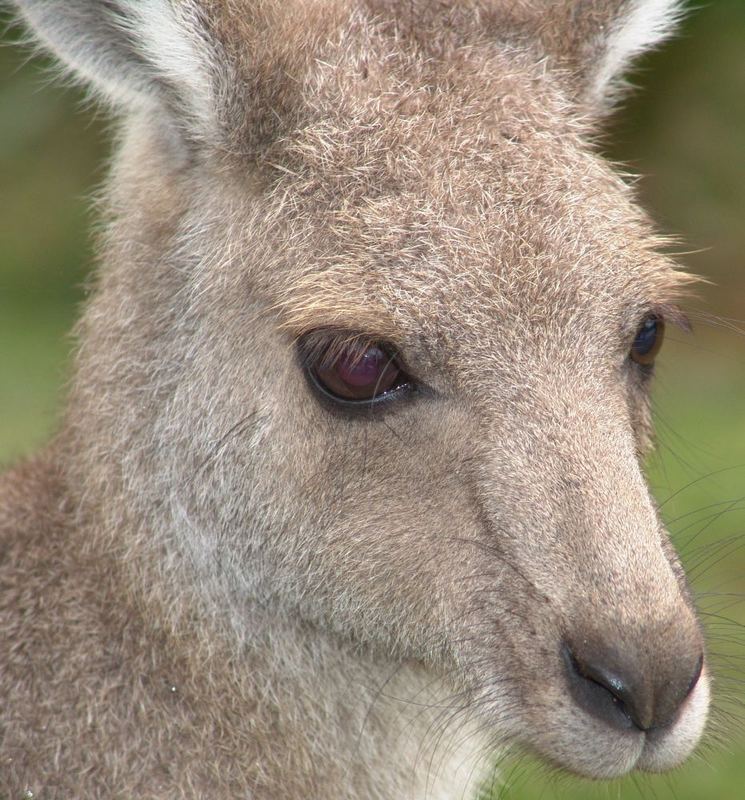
x: 613, y: 654
x: 634, y: 663
x: 623, y: 691
x: 634, y: 702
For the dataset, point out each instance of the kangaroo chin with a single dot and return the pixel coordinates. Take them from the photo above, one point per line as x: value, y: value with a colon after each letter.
x: 348, y: 495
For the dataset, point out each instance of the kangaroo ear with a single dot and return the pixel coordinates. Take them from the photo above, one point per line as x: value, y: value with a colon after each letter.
x: 600, y: 38
x: 131, y: 52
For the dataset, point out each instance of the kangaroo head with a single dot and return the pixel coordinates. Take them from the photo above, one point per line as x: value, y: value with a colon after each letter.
x: 373, y: 347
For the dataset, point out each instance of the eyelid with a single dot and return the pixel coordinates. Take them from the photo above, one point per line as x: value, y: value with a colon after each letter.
x: 322, y: 342
x: 331, y: 344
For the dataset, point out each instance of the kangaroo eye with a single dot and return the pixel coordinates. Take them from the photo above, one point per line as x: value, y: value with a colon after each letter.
x: 648, y: 340
x: 356, y: 372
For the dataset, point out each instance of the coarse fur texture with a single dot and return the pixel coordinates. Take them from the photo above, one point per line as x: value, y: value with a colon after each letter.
x: 214, y: 582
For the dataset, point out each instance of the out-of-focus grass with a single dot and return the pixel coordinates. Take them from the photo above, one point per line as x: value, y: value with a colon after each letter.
x: 32, y: 369
x: 50, y: 156
x: 685, y: 131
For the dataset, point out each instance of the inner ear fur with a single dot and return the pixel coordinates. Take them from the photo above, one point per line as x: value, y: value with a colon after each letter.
x: 597, y: 40
x: 132, y: 53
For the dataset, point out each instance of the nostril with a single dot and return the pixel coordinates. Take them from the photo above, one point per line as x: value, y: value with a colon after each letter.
x: 604, y: 692
x: 696, y: 675
x: 623, y: 692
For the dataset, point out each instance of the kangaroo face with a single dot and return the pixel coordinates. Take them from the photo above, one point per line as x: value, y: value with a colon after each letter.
x: 397, y: 342
x: 447, y: 399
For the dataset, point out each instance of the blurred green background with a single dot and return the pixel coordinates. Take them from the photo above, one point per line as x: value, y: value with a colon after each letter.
x: 684, y: 130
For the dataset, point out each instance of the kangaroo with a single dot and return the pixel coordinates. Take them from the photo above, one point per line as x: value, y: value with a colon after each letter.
x: 347, y: 498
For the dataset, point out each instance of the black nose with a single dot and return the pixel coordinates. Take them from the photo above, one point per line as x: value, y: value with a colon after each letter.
x: 620, y: 691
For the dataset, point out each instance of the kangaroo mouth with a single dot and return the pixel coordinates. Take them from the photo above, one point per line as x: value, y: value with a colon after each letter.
x: 596, y: 732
